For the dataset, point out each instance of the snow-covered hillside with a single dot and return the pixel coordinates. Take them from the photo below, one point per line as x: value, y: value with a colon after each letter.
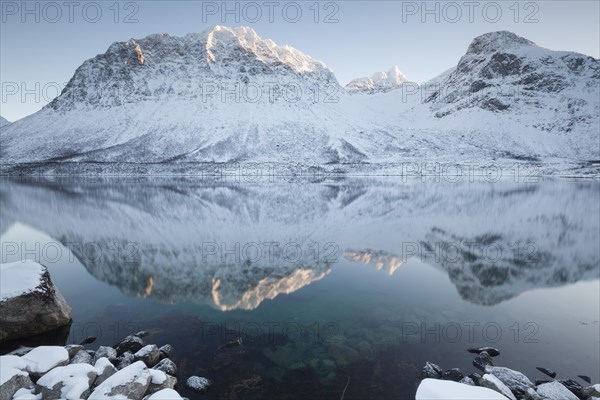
x: 227, y: 95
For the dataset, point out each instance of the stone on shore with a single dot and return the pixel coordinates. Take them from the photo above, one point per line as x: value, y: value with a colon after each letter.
x: 69, y: 382
x: 129, y: 383
x: 555, y: 391
x: 30, y: 303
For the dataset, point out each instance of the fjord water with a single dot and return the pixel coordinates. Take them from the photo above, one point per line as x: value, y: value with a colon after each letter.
x: 329, y: 283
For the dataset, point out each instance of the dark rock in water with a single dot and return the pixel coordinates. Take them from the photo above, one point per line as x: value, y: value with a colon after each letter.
x: 493, y: 352
x: 237, y: 342
x: 539, y: 382
x: 199, y: 384
x: 585, y: 378
x: 475, y: 377
x: 142, y: 334
x: 165, y: 351
x: 573, y: 387
x: 431, y: 370
x: 88, y: 340
x: 548, y: 372
x: 482, y: 360
x: 229, y: 353
x: 167, y: 366
x: 453, y: 374
x: 130, y: 343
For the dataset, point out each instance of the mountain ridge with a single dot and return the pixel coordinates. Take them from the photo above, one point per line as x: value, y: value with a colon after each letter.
x: 227, y: 95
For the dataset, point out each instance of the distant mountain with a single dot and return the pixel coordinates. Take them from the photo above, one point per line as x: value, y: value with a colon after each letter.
x: 227, y: 95
x: 380, y: 82
x: 4, y: 122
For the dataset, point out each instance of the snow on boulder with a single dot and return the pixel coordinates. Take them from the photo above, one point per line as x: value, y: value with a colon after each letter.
x: 492, y: 382
x: 435, y: 389
x: 555, y: 391
x: 69, y: 382
x: 515, y: 380
x: 11, y: 380
x: 11, y: 361
x: 43, y: 358
x: 129, y: 383
x: 26, y: 394
x: 165, y: 394
x: 30, y: 304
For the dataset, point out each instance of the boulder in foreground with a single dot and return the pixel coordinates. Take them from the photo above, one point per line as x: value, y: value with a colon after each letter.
x: 30, y: 303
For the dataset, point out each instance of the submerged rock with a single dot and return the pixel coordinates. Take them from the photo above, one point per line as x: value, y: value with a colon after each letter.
x: 30, y: 303
x: 548, y: 372
x: 199, y: 384
x: 492, y: 351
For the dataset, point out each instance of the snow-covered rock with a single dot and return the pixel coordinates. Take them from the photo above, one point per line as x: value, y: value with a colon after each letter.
x: 515, y: 380
x: 434, y: 389
x: 70, y: 382
x: 43, y: 358
x: 105, y: 370
x: 491, y: 382
x: 129, y: 383
x: 30, y: 303
x: 554, y: 391
x: 167, y: 366
x: 198, y: 383
x: 12, y: 380
x: 165, y: 394
x: 27, y: 394
x: 4, y: 122
x: 380, y: 82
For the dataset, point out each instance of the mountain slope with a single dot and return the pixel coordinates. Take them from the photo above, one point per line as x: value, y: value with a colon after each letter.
x: 4, y: 122
x: 227, y: 95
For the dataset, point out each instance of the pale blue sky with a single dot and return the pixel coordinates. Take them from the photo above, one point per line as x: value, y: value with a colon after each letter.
x: 369, y: 35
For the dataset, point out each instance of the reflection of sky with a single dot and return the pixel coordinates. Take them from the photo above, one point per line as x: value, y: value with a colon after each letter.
x: 563, y: 332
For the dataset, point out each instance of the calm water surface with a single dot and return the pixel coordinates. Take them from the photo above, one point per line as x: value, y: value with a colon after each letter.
x: 354, y: 281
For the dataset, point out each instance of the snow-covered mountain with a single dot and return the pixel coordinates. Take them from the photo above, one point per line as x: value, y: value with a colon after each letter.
x: 380, y: 82
x: 227, y: 95
x: 4, y: 122
x: 380, y: 223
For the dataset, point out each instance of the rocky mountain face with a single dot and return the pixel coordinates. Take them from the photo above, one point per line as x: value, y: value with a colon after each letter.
x: 4, y: 122
x: 502, y: 72
x: 226, y: 95
x: 380, y: 82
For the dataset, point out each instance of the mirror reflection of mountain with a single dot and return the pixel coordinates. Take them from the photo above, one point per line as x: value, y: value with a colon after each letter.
x: 234, y: 246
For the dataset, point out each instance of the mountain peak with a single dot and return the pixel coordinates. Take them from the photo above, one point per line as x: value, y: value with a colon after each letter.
x: 378, y: 82
x: 499, y: 40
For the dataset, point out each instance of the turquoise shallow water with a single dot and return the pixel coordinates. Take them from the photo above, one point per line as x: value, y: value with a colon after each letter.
x: 378, y: 276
